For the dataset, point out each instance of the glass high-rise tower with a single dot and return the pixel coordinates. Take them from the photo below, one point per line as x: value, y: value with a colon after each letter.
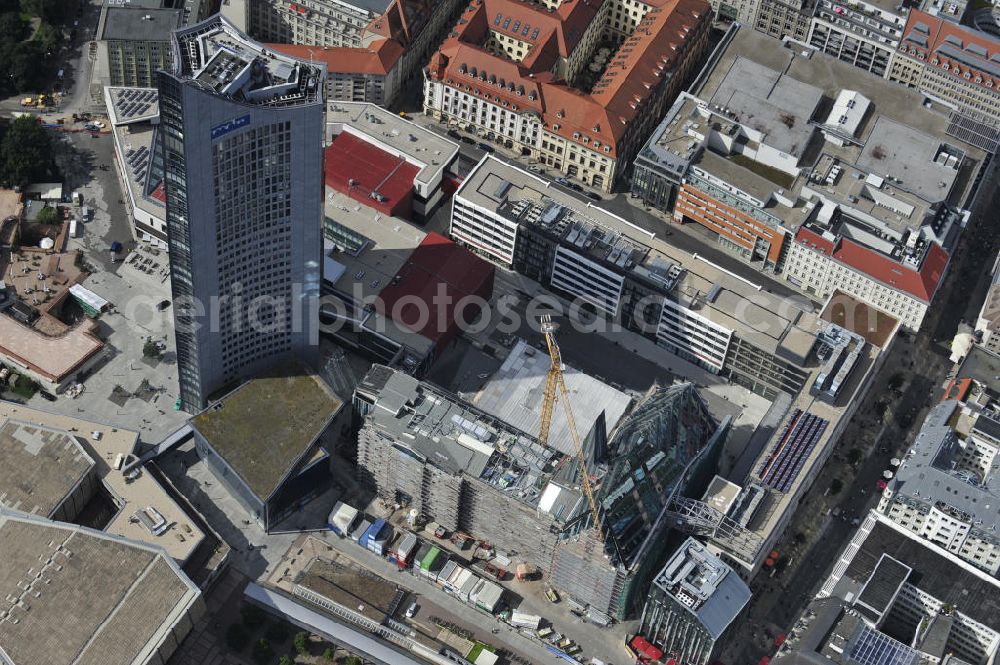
x: 241, y: 132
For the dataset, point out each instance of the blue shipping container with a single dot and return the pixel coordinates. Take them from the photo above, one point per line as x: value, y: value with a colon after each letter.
x: 368, y: 539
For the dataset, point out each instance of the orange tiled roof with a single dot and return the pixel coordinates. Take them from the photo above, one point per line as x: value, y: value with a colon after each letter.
x: 402, y: 21
x: 649, y: 54
x: 602, y: 116
x: 379, y: 58
x: 960, y: 49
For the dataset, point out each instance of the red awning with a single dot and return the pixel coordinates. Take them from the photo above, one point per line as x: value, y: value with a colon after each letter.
x: 764, y: 661
x: 779, y: 639
x: 641, y: 644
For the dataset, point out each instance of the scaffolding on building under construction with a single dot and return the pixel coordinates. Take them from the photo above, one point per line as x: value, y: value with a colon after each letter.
x: 698, y: 518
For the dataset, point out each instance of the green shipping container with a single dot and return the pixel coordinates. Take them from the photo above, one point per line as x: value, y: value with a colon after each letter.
x: 429, y: 559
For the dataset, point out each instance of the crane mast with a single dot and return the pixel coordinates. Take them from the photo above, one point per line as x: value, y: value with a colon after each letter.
x: 554, y: 381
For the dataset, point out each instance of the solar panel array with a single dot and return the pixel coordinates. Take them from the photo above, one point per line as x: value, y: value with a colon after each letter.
x: 138, y: 161
x: 133, y: 103
x: 802, y: 431
x: 875, y: 648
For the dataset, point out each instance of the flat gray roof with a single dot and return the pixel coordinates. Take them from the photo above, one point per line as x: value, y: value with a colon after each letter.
x: 711, y: 590
x: 42, y: 466
x: 830, y: 76
x: 83, y: 596
x: 377, y: 7
x: 264, y: 427
x: 140, y: 24
x: 932, y: 472
x: 514, y: 395
x: 756, y: 315
x: 774, y: 104
x: 972, y: 592
x: 909, y: 155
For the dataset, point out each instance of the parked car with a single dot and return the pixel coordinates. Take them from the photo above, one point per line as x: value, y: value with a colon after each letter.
x: 575, y: 187
x: 563, y: 181
x: 485, y: 147
x: 469, y: 140
x: 47, y: 395
x: 535, y: 169
x: 595, y: 197
x: 453, y: 134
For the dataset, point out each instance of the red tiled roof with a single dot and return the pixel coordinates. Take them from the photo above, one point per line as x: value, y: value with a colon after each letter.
x: 349, y: 160
x: 982, y: 67
x: 437, y: 268
x: 651, y: 52
x: 958, y: 389
x: 922, y: 284
x: 601, y: 118
x: 402, y: 21
x: 379, y: 58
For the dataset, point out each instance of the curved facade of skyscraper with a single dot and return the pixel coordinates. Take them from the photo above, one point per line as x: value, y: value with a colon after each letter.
x: 241, y: 132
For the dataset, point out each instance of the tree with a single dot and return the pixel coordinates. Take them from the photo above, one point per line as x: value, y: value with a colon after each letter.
x: 52, y: 11
x: 262, y: 651
x: 351, y: 660
x: 47, y: 215
x: 11, y: 27
x: 855, y: 456
x: 896, y: 381
x: 23, y: 67
x: 253, y: 616
x: 237, y: 637
x: 301, y: 643
x: 836, y: 485
x: 151, y: 350
x: 48, y: 38
x: 286, y: 660
x: 328, y: 655
x: 26, y: 152
x: 277, y: 632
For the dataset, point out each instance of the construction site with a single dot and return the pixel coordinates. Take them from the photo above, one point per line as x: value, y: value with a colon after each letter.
x: 592, y: 513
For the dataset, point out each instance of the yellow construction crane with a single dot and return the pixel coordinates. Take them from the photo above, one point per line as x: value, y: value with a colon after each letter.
x: 553, y: 381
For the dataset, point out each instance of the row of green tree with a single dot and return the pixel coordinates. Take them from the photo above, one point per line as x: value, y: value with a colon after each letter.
x: 26, y: 153
x: 26, y: 51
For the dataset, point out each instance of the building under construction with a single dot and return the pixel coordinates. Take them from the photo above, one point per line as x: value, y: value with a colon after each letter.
x: 666, y: 448
x: 461, y: 467
x: 470, y: 471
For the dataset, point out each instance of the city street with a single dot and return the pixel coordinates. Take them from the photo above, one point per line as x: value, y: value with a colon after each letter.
x: 688, y: 237
x: 815, y: 537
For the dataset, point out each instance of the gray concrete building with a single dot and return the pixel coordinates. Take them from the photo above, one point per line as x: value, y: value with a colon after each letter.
x: 892, y: 597
x: 785, y: 18
x: 136, y: 42
x: 265, y: 442
x: 242, y: 131
x: 46, y: 471
x: 461, y: 467
x: 947, y: 489
x: 75, y: 595
x: 863, y: 34
x: 691, y: 603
